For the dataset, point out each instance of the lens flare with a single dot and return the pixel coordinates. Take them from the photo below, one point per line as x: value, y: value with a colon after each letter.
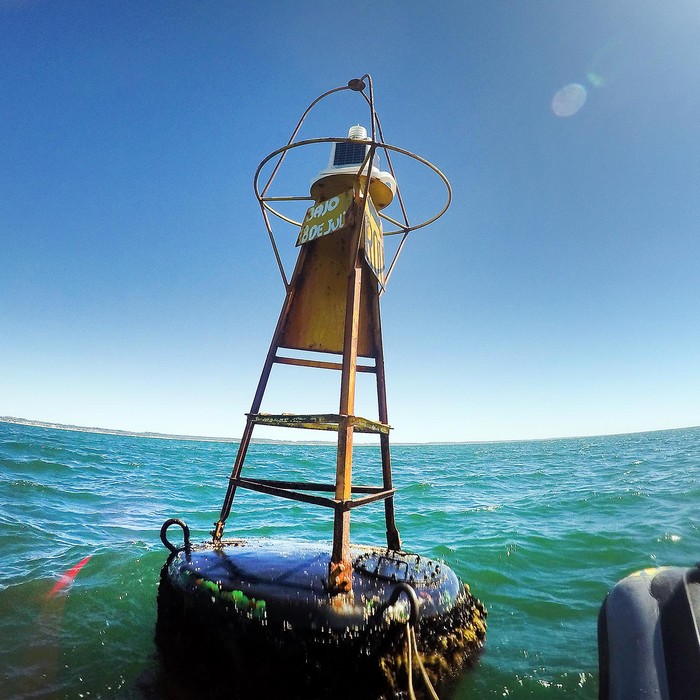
x: 594, y: 79
x: 569, y: 100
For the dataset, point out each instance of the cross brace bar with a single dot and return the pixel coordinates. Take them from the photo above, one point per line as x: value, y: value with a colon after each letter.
x: 285, y: 489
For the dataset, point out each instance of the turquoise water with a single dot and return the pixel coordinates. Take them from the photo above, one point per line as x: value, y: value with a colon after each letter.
x: 540, y: 530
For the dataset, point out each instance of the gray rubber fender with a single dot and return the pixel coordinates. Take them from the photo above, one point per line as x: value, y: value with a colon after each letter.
x: 630, y: 645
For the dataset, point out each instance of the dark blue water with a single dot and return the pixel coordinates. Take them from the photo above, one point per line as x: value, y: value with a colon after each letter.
x: 541, y: 530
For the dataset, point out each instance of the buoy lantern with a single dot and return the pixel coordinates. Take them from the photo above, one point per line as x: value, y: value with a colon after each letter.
x: 247, y: 617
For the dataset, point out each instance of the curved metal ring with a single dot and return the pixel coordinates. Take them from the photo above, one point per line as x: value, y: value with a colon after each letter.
x: 185, y: 531
x: 379, y: 145
x: 410, y: 592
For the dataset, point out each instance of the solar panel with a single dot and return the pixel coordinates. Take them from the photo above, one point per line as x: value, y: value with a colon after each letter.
x: 349, y: 153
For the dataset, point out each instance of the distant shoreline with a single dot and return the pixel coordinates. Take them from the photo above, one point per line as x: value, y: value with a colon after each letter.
x: 114, y: 431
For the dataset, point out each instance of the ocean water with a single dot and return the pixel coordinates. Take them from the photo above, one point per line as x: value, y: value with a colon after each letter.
x: 540, y: 530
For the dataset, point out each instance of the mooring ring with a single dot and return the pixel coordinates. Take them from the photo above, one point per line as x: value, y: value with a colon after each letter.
x: 410, y: 592
x: 185, y: 533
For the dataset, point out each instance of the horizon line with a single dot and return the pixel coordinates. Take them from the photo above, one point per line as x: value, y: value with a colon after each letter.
x: 203, y: 438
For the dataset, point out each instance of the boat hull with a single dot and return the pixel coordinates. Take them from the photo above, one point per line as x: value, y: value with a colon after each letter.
x: 648, y: 643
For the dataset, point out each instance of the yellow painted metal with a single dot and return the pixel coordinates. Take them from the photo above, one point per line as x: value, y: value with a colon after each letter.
x: 373, y: 243
x: 316, y: 320
x: 331, y: 185
x: 326, y: 217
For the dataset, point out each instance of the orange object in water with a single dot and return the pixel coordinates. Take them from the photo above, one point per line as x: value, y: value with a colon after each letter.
x: 67, y: 577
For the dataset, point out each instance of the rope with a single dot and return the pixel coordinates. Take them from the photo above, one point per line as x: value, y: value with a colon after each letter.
x: 411, y: 650
x: 411, y: 643
x: 409, y: 666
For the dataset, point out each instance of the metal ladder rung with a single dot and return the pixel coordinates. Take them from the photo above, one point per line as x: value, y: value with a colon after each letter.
x: 318, y: 421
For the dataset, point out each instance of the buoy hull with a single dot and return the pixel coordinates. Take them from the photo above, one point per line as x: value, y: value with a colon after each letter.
x: 255, y: 619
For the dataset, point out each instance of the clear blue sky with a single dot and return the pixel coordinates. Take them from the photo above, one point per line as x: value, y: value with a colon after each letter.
x: 560, y: 294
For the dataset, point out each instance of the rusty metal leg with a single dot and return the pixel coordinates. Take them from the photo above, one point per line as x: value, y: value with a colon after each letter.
x: 393, y: 539
x: 218, y: 531
x: 340, y: 569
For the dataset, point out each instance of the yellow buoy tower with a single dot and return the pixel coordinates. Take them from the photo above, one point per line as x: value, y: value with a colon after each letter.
x: 322, y: 611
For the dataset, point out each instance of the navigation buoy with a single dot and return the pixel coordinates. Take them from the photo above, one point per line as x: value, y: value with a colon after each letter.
x: 246, y: 617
